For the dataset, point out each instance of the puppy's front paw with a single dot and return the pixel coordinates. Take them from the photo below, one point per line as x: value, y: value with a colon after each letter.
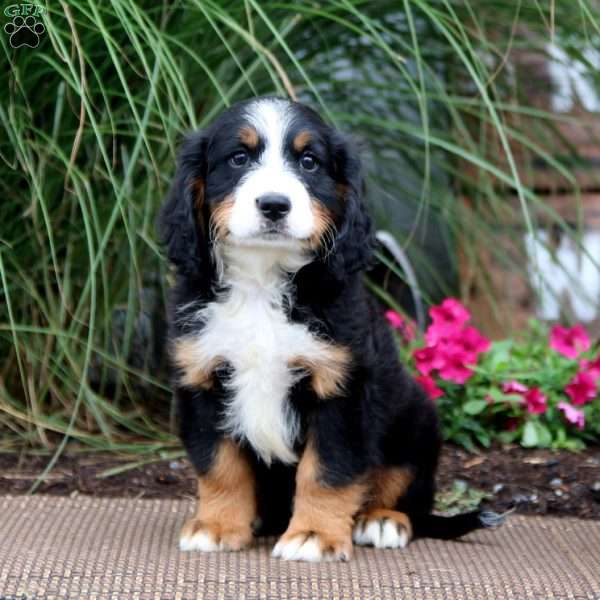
x: 213, y: 537
x: 382, y: 529
x: 313, y: 546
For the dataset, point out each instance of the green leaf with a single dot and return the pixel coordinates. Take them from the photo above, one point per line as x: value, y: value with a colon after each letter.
x: 474, y: 407
x: 483, y: 438
x: 544, y: 435
x: 508, y: 437
x: 500, y: 354
x: 465, y: 440
x: 530, y: 437
x: 496, y: 395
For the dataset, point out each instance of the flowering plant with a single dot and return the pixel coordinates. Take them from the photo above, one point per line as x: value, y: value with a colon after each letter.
x: 540, y: 391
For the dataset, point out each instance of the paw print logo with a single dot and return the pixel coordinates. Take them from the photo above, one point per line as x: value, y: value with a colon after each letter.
x: 24, y: 31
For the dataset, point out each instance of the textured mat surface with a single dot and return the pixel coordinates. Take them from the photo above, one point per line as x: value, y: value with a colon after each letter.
x: 122, y: 548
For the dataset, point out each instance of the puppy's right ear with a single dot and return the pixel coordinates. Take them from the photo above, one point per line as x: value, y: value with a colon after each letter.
x: 182, y: 220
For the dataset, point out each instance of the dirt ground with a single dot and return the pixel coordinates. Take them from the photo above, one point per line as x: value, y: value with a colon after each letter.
x: 532, y: 481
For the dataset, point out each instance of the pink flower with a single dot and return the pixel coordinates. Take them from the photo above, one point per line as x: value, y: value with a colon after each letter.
x: 569, y: 342
x: 434, y: 335
x: 514, y: 387
x: 451, y: 346
x: 430, y: 387
x: 469, y: 339
x: 404, y: 326
x: 591, y: 366
x: 536, y: 401
x: 577, y: 417
x: 448, y: 316
x: 394, y: 319
x: 473, y: 342
x: 454, y: 368
x: 428, y: 359
x: 582, y: 388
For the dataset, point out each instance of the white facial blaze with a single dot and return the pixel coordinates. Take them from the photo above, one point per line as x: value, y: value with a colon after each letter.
x: 271, y: 174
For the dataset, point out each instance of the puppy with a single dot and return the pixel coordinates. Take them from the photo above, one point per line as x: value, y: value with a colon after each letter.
x: 293, y: 406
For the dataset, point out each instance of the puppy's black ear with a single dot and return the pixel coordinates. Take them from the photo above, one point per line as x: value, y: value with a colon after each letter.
x: 355, y: 241
x: 182, y: 220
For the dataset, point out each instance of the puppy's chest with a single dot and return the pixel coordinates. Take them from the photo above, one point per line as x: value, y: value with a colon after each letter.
x: 267, y: 353
x: 249, y: 331
x: 254, y: 335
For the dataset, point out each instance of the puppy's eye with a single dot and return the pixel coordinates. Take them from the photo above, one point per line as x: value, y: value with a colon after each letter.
x: 309, y: 162
x: 239, y: 159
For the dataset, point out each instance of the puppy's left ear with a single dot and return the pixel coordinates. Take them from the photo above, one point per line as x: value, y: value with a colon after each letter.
x: 355, y: 241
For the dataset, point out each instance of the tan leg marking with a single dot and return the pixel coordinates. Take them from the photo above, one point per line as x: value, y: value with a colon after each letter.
x: 226, y: 504
x: 328, y: 372
x: 378, y: 524
x: 195, y: 372
x: 321, y: 526
x: 387, y: 486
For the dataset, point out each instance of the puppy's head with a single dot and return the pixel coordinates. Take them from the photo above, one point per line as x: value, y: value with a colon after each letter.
x: 267, y: 173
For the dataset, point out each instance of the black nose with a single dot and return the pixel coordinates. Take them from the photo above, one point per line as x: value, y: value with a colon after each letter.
x: 274, y: 206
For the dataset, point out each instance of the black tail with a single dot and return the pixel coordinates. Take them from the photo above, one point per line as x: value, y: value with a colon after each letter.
x: 448, y: 528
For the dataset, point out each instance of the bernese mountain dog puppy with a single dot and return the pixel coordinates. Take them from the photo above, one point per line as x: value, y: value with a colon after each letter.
x: 293, y: 406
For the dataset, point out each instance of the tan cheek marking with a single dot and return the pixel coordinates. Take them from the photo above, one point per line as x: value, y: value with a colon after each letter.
x: 320, y: 509
x: 329, y: 372
x: 301, y: 140
x: 226, y: 504
x: 324, y: 224
x: 219, y: 218
x: 194, y: 373
x: 249, y: 136
x: 387, y: 485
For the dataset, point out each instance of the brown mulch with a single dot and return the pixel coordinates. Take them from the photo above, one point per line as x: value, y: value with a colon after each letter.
x: 538, y: 482
x: 534, y: 482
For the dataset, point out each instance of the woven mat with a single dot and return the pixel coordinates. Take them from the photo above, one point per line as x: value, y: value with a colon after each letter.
x: 121, y: 548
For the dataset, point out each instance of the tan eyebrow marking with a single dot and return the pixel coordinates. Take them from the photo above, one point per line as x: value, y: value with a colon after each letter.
x: 249, y: 136
x: 301, y: 140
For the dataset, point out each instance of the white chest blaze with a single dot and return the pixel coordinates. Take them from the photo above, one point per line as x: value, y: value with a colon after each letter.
x: 248, y: 328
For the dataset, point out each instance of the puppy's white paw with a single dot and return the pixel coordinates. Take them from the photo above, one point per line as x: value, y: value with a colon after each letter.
x: 312, y: 546
x: 197, y: 535
x: 200, y: 540
x: 381, y: 532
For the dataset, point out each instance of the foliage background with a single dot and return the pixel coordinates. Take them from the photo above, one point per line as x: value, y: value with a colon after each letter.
x: 91, y: 120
